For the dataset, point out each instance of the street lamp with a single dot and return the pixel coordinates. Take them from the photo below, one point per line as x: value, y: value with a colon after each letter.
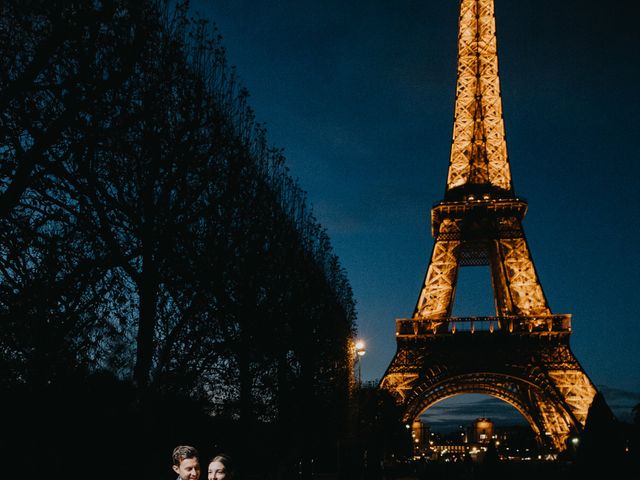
x: 360, y: 351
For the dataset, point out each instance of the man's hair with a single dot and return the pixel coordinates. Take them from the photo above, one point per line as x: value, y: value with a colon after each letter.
x: 183, y: 451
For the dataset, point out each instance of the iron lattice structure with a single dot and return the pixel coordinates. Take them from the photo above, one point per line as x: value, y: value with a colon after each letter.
x: 522, y: 354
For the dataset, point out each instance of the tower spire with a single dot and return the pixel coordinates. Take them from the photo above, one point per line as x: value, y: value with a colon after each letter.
x: 478, y: 162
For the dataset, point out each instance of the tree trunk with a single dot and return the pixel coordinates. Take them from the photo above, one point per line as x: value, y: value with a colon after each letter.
x: 148, y: 293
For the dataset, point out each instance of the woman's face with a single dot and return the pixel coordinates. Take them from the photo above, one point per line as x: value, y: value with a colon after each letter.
x: 216, y: 471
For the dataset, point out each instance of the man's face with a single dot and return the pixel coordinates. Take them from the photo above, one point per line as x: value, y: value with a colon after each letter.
x: 189, y: 469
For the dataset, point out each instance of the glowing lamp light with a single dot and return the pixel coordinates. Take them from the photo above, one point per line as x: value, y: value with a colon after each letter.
x: 360, y: 348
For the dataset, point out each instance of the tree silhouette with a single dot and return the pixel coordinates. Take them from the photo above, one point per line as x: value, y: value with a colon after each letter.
x: 601, y: 442
x: 148, y: 230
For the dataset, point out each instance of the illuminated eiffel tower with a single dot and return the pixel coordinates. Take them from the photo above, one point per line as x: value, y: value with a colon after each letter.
x: 522, y: 354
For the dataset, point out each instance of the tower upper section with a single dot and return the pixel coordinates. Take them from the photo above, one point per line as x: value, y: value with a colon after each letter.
x: 479, y: 162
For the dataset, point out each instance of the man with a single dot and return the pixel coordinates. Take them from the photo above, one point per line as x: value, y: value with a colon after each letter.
x: 186, y: 463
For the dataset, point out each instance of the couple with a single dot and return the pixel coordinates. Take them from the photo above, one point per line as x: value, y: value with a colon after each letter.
x: 186, y: 463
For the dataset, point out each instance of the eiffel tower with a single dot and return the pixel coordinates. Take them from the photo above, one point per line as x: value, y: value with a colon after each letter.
x: 522, y: 354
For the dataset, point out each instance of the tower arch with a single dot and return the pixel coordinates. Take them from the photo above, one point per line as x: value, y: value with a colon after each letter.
x: 512, y: 390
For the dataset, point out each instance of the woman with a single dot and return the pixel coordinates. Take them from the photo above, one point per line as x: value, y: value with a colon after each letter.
x: 220, y: 468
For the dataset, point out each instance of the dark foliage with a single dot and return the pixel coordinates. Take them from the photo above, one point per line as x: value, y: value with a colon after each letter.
x: 376, y: 436
x: 162, y: 277
x: 605, y: 443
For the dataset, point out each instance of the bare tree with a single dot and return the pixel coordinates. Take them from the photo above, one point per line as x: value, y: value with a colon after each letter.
x: 148, y: 228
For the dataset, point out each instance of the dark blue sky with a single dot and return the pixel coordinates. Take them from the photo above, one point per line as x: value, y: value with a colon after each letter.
x: 360, y: 95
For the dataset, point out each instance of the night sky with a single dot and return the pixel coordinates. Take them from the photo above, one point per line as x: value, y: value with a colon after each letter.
x: 360, y: 95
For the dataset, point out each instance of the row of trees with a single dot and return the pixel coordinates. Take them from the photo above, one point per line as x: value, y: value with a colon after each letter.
x: 148, y: 229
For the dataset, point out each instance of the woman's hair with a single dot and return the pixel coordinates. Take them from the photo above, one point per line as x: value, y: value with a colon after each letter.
x: 225, y: 460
